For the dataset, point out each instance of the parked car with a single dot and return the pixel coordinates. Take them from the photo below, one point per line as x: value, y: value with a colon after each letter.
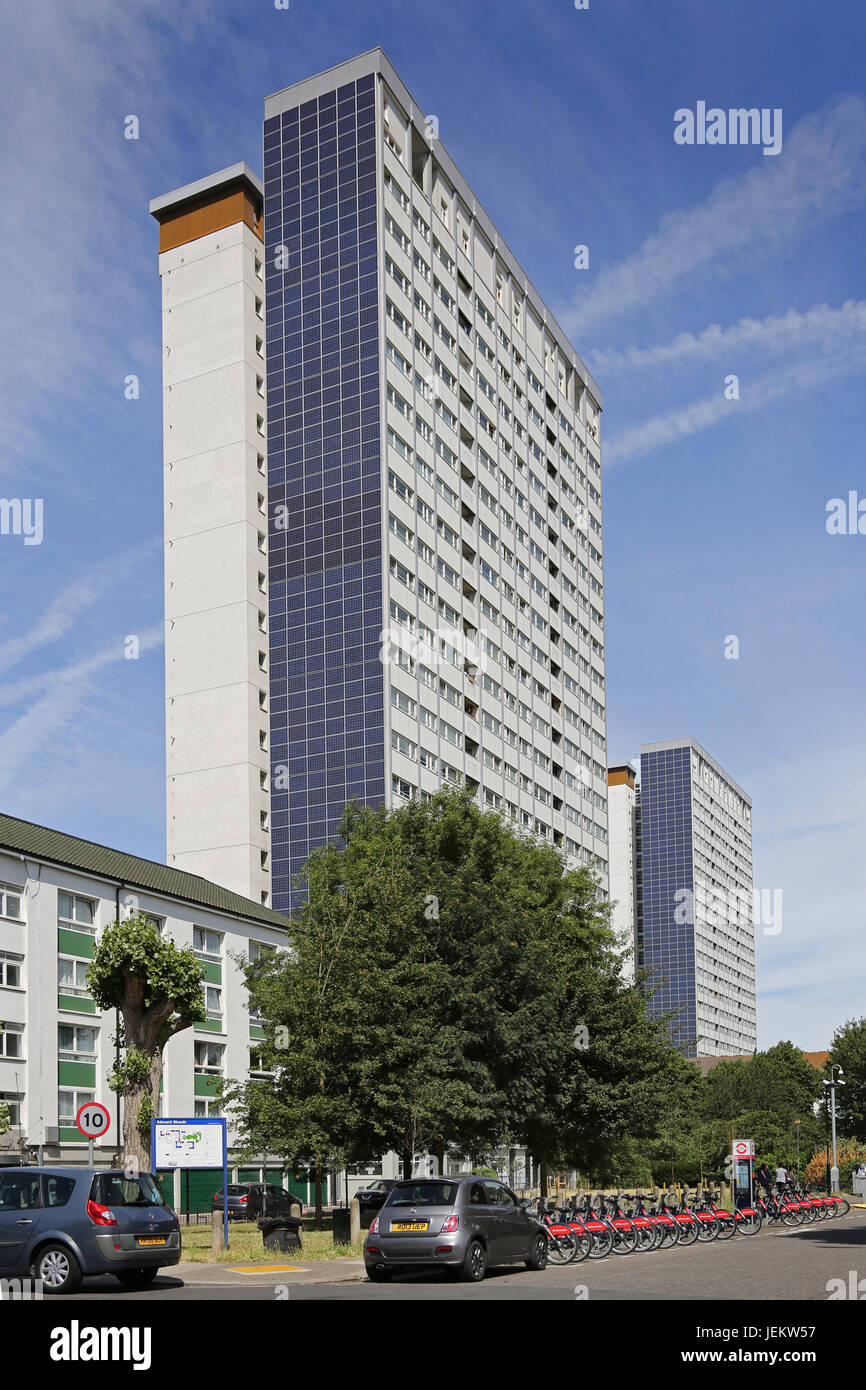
x: 373, y: 1195
x: 249, y: 1200
x: 463, y: 1225
x: 61, y: 1225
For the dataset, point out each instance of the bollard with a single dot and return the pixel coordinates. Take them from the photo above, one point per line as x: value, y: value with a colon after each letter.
x: 216, y: 1233
x: 355, y: 1222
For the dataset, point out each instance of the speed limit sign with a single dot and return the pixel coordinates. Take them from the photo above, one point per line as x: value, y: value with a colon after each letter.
x: 93, y: 1119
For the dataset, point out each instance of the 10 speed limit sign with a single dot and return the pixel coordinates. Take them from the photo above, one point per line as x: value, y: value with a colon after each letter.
x: 93, y: 1119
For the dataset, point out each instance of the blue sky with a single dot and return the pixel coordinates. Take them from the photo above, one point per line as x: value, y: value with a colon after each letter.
x: 704, y: 262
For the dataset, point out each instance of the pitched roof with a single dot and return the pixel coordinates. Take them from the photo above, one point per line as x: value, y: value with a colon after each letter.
x: 23, y: 837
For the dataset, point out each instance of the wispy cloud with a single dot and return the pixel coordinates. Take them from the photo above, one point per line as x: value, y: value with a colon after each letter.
x: 819, y: 327
x: 73, y: 600
x: 66, y: 690
x: 820, y: 174
x: 755, y: 395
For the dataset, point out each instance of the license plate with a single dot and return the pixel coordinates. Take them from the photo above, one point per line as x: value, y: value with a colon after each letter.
x: 151, y: 1240
x: 409, y: 1225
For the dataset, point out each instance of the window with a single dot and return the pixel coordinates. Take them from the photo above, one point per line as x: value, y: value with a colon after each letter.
x: 68, y: 1105
x: 209, y: 1058
x: 75, y: 1044
x: 75, y: 912
x: 402, y: 702
x: 207, y: 1109
x: 10, y: 901
x: 71, y: 975
x: 10, y: 970
x: 12, y: 1101
x: 213, y: 1001
x: 404, y: 746
x: 257, y: 1066
x: 19, y: 1192
x: 207, y: 944
x: 11, y: 1039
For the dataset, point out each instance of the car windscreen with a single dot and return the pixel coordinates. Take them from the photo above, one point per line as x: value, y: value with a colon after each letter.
x: 117, y: 1190
x: 424, y: 1194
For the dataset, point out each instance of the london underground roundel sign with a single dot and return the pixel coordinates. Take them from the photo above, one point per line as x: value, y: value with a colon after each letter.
x: 93, y: 1119
x: 743, y: 1148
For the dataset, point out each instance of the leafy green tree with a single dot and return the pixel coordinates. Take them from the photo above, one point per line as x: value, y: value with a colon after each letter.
x: 5, y: 1121
x: 157, y: 987
x: 848, y: 1048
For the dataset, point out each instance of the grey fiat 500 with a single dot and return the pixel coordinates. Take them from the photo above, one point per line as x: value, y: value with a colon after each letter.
x: 464, y: 1225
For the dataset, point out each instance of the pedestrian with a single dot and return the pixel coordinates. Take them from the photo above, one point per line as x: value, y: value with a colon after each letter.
x: 781, y: 1179
x: 765, y: 1177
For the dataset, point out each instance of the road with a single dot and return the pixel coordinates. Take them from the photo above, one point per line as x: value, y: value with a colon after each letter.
x: 776, y: 1264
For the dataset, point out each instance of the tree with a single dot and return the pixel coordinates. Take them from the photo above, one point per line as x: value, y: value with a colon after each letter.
x: 157, y: 987
x: 5, y: 1121
x: 848, y: 1048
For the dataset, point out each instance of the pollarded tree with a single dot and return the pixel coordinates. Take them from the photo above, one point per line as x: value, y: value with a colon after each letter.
x: 157, y: 987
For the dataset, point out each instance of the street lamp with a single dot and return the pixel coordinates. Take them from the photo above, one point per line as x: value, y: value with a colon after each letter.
x: 797, y: 1132
x: 831, y: 1085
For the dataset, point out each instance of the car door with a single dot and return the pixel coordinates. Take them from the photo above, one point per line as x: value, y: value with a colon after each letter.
x: 519, y: 1230
x: 510, y: 1232
x: 478, y: 1213
x: 20, y: 1214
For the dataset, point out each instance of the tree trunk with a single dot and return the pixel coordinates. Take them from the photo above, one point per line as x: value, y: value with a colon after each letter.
x: 542, y: 1180
x: 317, y: 1188
x: 408, y: 1157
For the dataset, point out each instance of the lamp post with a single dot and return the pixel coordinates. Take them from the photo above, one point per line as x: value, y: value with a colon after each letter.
x: 831, y: 1086
x: 797, y: 1132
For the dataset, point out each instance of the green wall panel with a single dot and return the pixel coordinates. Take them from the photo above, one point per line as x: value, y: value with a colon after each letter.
x: 77, y: 1074
x: 75, y: 943
x: 205, y: 1085
x: 75, y: 1004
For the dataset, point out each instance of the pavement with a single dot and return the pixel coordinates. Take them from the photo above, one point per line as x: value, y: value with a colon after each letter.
x: 281, y: 1271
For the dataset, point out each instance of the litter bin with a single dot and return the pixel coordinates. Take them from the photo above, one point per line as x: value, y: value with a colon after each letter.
x: 342, y: 1226
x: 281, y: 1232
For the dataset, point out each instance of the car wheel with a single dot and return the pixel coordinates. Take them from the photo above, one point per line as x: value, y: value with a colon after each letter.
x: 474, y: 1266
x: 137, y: 1278
x: 58, y: 1269
x: 538, y: 1254
x: 377, y: 1275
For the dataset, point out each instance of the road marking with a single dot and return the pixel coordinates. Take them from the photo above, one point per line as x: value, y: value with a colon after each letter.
x: 268, y: 1269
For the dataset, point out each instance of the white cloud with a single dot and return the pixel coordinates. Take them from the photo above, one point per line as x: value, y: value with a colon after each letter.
x: 755, y: 394
x: 66, y: 690
x: 74, y: 599
x: 820, y: 173
x: 819, y: 327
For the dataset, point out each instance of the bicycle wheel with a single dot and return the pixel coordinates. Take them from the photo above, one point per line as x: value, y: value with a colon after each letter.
x: 624, y: 1238
x: 791, y: 1217
x: 583, y: 1246
x: 602, y: 1244
x: 749, y: 1225
x: 708, y: 1230
x: 645, y: 1239
x: 561, y: 1250
x: 670, y: 1235
x: 687, y: 1231
x: 726, y: 1224
x: 842, y: 1206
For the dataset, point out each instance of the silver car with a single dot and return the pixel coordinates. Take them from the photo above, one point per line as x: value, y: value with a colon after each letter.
x: 463, y: 1225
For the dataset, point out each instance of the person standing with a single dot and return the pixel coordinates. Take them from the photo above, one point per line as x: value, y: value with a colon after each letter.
x: 764, y: 1176
x: 781, y: 1179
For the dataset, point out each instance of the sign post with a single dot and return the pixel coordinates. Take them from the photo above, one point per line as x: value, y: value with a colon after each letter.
x: 93, y: 1120
x: 742, y: 1154
x: 185, y: 1144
